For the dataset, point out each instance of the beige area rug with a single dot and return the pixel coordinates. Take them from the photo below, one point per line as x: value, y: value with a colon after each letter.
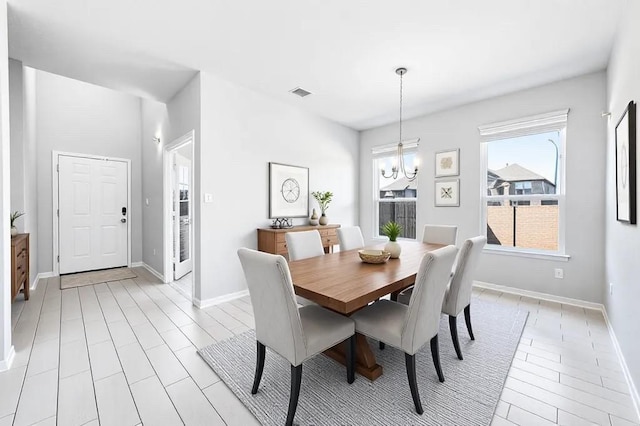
x: 95, y: 277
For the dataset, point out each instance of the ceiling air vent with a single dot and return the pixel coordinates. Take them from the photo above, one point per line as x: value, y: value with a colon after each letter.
x: 300, y: 92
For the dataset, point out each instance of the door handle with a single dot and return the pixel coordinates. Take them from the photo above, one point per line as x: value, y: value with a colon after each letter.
x: 123, y: 220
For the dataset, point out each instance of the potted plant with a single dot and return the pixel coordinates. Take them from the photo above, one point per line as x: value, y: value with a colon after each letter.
x: 14, y: 216
x: 323, y: 199
x: 392, y: 230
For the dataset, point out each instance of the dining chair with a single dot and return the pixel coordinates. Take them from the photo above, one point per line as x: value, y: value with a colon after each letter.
x: 303, y: 245
x: 409, y: 328
x: 458, y: 294
x: 350, y: 238
x: 296, y: 334
x: 440, y: 234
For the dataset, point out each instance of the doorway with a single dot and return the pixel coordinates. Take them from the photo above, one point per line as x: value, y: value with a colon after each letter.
x: 179, y: 212
x: 91, y: 213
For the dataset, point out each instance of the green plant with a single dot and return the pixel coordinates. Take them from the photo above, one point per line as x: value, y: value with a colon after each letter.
x: 323, y: 199
x: 14, y: 216
x: 392, y: 230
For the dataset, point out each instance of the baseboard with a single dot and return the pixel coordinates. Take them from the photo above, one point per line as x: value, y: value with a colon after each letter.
x: 538, y: 295
x: 40, y: 276
x: 153, y: 272
x: 633, y: 390
x: 202, y: 304
x: 5, y: 364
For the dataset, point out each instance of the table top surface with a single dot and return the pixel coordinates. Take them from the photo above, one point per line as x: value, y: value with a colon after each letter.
x: 344, y: 283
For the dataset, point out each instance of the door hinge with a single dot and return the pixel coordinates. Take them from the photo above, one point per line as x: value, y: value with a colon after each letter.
x: 58, y: 168
x: 58, y: 259
x: 58, y: 212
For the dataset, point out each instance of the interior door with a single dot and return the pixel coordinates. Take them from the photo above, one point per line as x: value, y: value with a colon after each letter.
x: 182, y: 204
x: 93, y: 214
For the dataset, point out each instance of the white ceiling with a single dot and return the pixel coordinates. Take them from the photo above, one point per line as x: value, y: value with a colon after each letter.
x: 345, y: 52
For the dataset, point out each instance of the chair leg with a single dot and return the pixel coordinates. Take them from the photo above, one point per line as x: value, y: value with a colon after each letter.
x: 381, y: 346
x: 296, y: 379
x: 410, y: 361
x: 467, y: 318
x: 453, y: 326
x: 259, y: 368
x: 351, y: 359
x: 435, y: 354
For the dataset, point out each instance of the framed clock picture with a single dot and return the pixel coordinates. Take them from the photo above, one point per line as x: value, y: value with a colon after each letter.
x: 288, y: 191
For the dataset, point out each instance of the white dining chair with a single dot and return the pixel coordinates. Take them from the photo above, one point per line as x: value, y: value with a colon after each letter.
x: 296, y: 334
x: 409, y: 328
x: 350, y: 238
x: 458, y: 295
x: 304, y: 244
x: 440, y: 234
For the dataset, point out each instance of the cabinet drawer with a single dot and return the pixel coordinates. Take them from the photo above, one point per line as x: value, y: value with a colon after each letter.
x: 21, y: 247
x: 330, y: 241
x: 280, y: 237
x: 281, y: 248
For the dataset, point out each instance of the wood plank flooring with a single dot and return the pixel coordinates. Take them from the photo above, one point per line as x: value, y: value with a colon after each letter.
x: 124, y: 353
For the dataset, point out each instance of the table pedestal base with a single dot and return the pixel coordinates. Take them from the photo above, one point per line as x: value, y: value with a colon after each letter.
x: 366, y: 364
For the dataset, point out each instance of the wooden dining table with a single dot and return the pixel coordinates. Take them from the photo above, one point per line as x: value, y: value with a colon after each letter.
x: 344, y: 284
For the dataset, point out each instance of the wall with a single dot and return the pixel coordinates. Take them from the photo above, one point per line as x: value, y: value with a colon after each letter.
x: 6, y: 350
x: 242, y: 132
x: 623, y: 241
x: 458, y: 128
x: 16, y: 88
x: 78, y: 117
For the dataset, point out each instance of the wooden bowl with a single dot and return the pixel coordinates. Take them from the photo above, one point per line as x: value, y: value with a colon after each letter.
x: 374, y: 256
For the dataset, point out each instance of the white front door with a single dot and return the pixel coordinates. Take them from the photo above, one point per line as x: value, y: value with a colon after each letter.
x: 93, y: 214
x: 182, y: 263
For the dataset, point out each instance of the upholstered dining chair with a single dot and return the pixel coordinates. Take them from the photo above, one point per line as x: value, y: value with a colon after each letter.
x: 409, y: 328
x: 440, y: 234
x: 296, y: 334
x: 350, y: 238
x: 458, y: 294
x: 302, y: 245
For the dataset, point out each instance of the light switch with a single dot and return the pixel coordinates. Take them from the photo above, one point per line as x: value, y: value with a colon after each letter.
x: 208, y: 198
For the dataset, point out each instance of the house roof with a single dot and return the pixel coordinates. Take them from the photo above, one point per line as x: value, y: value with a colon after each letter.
x: 400, y: 185
x: 515, y: 172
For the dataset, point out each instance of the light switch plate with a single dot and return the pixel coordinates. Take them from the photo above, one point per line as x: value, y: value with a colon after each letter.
x: 208, y: 198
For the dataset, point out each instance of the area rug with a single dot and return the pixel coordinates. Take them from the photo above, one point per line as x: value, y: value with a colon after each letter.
x: 95, y: 277
x: 468, y: 396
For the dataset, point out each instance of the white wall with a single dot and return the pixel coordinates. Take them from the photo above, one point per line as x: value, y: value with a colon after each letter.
x: 242, y: 132
x: 5, y: 248
x: 16, y: 88
x: 623, y: 241
x: 458, y: 128
x: 74, y: 116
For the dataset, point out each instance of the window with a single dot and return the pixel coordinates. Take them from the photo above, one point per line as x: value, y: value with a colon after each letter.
x: 395, y: 199
x: 523, y: 193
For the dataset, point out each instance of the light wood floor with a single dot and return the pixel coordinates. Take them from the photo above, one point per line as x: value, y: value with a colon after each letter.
x: 125, y: 353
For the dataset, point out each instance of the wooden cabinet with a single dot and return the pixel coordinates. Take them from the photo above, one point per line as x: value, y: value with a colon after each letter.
x: 20, y: 265
x: 272, y: 240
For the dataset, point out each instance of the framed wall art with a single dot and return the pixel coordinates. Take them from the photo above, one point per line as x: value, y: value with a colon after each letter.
x: 447, y: 163
x: 288, y: 191
x: 626, y: 165
x: 447, y: 193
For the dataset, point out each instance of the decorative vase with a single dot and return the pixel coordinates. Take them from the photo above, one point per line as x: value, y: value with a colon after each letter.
x: 14, y: 231
x: 313, y: 220
x: 394, y: 248
x: 324, y: 219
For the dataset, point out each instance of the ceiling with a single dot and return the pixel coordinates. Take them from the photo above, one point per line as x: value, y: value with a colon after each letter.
x: 344, y: 52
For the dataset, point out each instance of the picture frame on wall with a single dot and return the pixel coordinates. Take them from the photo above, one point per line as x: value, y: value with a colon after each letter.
x: 626, y: 166
x: 447, y: 163
x: 447, y: 193
x: 288, y: 191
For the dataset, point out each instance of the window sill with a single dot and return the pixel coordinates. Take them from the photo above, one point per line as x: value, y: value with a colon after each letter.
x: 528, y: 254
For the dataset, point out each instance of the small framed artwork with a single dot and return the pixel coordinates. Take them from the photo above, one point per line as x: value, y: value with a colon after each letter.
x: 447, y: 193
x: 626, y: 166
x: 288, y: 191
x: 447, y: 163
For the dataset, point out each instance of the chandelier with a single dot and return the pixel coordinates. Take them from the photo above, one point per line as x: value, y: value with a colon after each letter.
x: 398, y: 165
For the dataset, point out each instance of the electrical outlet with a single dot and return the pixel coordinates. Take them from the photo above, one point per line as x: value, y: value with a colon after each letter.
x: 559, y: 273
x: 611, y: 289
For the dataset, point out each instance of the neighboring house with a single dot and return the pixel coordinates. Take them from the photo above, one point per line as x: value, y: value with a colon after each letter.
x: 517, y: 180
x: 402, y: 188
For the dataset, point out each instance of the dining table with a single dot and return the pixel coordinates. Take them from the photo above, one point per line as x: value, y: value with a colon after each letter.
x: 343, y: 283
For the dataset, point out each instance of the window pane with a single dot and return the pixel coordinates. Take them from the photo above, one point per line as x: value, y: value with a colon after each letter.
x: 531, y: 224
x: 397, y: 197
x: 401, y: 211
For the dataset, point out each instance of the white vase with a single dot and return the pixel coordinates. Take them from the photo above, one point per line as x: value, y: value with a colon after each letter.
x: 14, y: 231
x: 324, y: 220
x: 394, y: 248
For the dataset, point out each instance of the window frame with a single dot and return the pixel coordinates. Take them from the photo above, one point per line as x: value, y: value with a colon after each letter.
x: 542, y: 123
x: 384, y: 151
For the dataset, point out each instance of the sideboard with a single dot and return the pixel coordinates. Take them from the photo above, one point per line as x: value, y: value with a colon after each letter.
x: 272, y: 240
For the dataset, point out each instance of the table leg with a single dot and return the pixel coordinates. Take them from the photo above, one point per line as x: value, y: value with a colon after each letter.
x: 365, y: 359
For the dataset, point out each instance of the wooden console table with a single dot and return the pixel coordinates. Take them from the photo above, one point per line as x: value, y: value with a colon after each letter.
x: 272, y: 240
x: 20, y: 265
